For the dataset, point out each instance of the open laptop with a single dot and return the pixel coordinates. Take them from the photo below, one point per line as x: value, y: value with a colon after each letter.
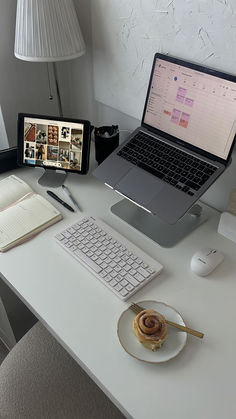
x: 184, y: 142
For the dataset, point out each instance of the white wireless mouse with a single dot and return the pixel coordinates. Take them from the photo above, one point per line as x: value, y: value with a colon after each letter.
x: 205, y: 261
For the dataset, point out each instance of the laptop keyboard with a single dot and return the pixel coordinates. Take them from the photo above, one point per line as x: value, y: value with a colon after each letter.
x: 181, y: 170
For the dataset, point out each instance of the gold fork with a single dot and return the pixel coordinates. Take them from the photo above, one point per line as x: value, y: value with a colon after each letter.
x: 136, y: 308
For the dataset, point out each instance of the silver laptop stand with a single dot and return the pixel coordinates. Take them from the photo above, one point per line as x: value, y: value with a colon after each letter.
x: 166, y: 235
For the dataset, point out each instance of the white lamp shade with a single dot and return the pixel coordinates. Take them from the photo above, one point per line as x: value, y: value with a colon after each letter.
x: 47, y: 30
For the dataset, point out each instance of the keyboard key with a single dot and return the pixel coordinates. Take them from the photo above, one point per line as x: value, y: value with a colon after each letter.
x: 59, y: 236
x: 149, y: 169
x: 132, y: 280
x: 143, y: 272
x: 113, y: 282
x: 124, y: 282
x: 88, y: 261
x: 192, y: 185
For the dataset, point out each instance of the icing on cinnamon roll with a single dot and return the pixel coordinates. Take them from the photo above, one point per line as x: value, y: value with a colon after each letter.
x: 150, y: 328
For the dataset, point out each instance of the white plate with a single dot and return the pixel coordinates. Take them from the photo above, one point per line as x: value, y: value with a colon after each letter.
x: 173, y: 345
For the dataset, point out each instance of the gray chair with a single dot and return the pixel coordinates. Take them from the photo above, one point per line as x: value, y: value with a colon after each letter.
x: 40, y: 380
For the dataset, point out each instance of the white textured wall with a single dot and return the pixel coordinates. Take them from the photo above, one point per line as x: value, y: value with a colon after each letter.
x: 76, y: 76
x: 127, y: 33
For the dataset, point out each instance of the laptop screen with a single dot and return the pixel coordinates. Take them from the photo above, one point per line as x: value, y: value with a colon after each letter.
x: 195, y: 106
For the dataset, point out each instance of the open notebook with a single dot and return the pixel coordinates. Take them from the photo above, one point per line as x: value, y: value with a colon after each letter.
x: 23, y: 213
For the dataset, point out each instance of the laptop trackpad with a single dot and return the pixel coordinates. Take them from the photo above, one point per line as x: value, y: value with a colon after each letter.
x: 139, y: 186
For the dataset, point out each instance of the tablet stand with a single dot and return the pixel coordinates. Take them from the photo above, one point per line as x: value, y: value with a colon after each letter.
x: 52, y: 178
x: 166, y: 235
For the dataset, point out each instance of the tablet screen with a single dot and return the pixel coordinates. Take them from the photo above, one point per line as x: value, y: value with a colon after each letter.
x: 53, y: 143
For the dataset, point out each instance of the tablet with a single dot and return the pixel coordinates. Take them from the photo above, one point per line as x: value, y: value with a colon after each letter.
x: 55, y: 143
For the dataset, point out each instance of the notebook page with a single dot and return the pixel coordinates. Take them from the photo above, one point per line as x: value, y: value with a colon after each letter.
x: 24, y: 218
x: 11, y: 189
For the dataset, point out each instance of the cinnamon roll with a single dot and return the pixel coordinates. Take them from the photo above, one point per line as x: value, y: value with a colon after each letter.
x: 150, y: 328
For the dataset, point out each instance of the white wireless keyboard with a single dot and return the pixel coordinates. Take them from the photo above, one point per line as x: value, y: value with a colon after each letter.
x: 119, y: 264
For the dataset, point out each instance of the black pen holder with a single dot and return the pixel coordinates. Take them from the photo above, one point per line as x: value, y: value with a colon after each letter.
x: 106, y: 140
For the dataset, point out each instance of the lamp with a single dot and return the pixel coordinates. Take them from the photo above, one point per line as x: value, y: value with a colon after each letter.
x: 48, y: 31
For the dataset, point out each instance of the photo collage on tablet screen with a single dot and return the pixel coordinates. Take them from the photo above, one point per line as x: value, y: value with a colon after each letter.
x: 56, y: 144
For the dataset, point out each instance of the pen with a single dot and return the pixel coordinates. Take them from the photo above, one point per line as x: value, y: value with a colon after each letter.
x: 68, y: 193
x: 54, y: 196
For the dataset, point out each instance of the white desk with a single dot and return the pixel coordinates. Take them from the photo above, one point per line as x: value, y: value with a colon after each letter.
x: 82, y: 313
